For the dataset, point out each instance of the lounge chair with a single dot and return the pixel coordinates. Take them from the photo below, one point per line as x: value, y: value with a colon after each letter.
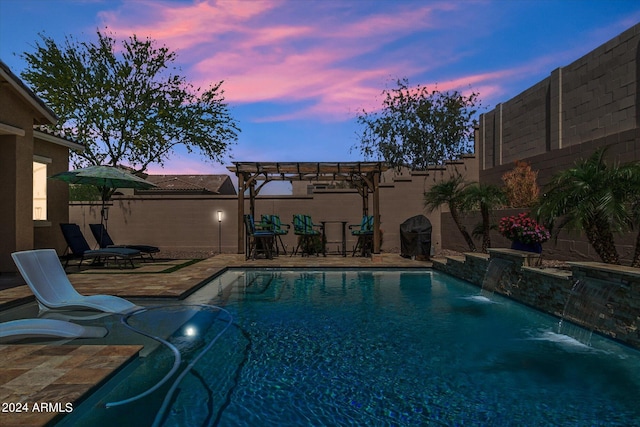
x: 304, y: 227
x: 364, y: 233
x: 77, y: 247
x: 257, y: 240
x: 101, y: 235
x: 273, y: 223
x: 42, y: 271
x: 47, y: 328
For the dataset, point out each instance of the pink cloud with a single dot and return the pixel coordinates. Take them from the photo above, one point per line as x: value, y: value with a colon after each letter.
x: 268, y: 51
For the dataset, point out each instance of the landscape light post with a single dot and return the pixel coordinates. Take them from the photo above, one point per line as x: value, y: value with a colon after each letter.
x: 219, y: 232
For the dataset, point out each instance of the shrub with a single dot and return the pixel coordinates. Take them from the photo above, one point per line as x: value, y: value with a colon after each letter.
x: 521, y: 187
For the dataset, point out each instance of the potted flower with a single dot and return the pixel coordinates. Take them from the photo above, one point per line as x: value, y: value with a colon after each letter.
x: 524, y: 232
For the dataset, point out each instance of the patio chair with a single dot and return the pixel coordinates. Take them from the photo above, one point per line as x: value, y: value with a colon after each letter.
x: 47, y: 328
x: 257, y: 240
x: 273, y: 223
x: 364, y: 233
x: 306, y: 231
x: 42, y: 271
x: 101, y: 235
x: 77, y: 247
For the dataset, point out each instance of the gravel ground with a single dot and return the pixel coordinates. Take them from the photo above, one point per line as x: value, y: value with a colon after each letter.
x: 168, y: 254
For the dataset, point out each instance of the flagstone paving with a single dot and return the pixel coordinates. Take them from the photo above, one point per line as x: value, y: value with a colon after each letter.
x: 51, y: 374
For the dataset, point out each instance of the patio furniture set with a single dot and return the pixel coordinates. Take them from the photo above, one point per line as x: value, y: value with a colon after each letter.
x: 265, y: 237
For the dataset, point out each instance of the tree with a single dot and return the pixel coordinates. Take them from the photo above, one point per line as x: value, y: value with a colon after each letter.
x: 450, y: 193
x: 125, y: 103
x: 417, y: 128
x: 520, y: 186
x: 486, y: 197
x: 594, y: 197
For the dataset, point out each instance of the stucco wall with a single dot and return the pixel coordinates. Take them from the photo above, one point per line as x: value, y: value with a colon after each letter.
x: 189, y: 222
x: 16, y: 192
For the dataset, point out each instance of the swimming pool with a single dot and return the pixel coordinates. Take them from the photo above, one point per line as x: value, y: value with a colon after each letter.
x: 368, y: 347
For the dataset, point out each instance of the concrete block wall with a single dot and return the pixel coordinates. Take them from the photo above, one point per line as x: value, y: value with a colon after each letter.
x: 589, y: 103
x: 524, y: 119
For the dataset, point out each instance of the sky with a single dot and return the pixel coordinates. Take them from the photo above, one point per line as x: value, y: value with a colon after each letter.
x: 297, y: 72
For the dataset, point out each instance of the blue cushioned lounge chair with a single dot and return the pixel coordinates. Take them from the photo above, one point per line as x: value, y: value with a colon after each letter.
x: 77, y: 247
x: 101, y: 235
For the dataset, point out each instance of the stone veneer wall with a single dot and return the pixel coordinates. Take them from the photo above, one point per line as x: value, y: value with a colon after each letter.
x: 548, y: 289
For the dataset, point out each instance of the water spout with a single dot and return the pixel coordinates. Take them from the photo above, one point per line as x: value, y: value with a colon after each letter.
x: 584, y: 310
x: 494, y: 274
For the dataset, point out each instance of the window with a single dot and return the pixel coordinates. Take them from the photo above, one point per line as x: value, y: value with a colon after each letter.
x: 40, y: 188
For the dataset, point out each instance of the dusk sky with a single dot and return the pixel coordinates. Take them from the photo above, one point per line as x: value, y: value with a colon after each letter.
x: 296, y: 72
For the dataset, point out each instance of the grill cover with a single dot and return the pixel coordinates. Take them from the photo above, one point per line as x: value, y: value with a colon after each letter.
x: 415, y: 237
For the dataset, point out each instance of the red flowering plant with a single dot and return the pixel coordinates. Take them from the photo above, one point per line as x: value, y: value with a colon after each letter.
x: 523, y: 229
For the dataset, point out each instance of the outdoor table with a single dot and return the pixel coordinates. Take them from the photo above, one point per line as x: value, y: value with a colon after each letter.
x: 343, y: 242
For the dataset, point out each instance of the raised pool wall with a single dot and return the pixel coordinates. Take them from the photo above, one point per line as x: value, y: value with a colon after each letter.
x: 548, y: 289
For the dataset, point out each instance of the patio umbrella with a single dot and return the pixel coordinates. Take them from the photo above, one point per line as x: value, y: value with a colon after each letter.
x: 106, y: 178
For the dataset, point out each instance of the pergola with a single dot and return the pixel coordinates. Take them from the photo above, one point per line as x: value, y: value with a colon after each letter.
x: 365, y: 177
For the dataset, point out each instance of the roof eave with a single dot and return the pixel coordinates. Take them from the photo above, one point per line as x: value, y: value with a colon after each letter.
x: 57, y: 140
x: 46, y: 114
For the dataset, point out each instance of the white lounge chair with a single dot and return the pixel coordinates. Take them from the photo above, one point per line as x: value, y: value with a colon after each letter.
x: 33, y: 328
x: 43, y: 272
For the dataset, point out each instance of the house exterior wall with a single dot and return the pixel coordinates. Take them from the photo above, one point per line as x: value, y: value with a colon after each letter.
x: 16, y: 192
x: 587, y: 104
x: 19, y: 111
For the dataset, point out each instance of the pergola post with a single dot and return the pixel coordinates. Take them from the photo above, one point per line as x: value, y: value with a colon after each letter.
x: 252, y: 198
x: 376, y: 212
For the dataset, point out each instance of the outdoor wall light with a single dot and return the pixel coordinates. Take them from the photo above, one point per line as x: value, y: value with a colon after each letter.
x: 219, y: 213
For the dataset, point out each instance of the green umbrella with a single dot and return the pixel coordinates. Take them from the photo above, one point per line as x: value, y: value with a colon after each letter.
x: 107, y: 178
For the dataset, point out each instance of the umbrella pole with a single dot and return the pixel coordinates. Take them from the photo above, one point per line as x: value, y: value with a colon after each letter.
x: 103, y: 215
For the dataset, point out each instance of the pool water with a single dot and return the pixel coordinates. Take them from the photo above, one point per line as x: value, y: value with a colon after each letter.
x: 399, y: 348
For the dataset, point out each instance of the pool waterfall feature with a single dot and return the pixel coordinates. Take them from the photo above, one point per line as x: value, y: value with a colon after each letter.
x: 586, y: 306
x: 494, y: 274
x: 549, y: 290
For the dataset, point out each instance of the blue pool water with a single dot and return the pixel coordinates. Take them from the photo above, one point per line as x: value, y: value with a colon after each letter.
x: 397, y: 348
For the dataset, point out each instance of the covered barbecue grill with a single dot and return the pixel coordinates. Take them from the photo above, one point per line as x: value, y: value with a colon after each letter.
x: 415, y: 237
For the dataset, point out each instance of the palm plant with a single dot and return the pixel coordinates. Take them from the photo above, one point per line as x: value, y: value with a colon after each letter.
x: 486, y: 197
x: 450, y: 193
x: 595, y: 197
x: 629, y: 176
